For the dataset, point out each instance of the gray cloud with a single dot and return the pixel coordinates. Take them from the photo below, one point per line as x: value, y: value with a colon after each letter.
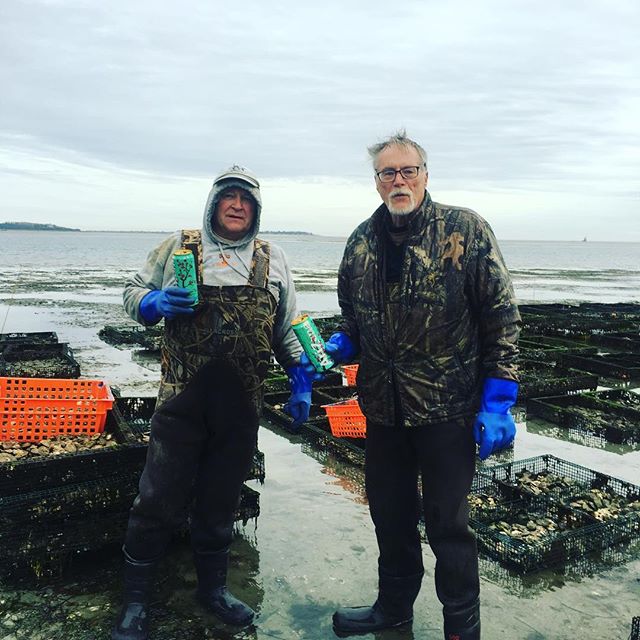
x: 503, y: 95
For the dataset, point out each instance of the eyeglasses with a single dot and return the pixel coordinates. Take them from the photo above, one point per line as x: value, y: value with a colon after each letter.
x: 389, y: 175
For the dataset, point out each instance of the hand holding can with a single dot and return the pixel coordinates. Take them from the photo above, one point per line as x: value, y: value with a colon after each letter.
x: 312, y: 343
x: 184, y: 266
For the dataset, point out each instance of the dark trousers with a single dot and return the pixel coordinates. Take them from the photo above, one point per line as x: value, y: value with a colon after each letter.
x: 200, y: 451
x: 444, y: 456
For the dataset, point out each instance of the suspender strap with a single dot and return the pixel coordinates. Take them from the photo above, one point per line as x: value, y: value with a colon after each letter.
x: 259, y: 274
x: 192, y: 239
x: 260, y: 263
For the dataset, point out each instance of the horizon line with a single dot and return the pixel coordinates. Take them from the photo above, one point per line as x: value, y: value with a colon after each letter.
x: 307, y: 233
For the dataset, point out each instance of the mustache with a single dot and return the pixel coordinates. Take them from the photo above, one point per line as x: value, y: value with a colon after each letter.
x: 400, y: 192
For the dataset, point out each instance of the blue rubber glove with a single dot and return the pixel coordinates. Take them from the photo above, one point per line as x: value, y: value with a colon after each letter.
x: 495, y: 428
x: 166, y: 303
x: 339, y: 346
x: 299, y: 402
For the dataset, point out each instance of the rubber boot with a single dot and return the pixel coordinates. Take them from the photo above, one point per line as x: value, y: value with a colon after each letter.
x: 463, y: 624
x: 212, y: 589
x: 394, y: 607
x: 133, y: 621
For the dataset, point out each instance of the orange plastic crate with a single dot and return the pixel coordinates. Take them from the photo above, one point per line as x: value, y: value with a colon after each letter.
x: 35, y: 408
x: 346, y: 419
x: 350, y: 371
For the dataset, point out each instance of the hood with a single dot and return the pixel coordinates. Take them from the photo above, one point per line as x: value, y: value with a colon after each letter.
x: 242, y: 178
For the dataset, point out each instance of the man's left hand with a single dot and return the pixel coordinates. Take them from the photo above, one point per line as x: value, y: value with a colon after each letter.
x: 495, y: 428
x: 299, y: 403
x: 493, y: 432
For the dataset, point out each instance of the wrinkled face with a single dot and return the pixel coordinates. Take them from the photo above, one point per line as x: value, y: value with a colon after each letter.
x: 235, y: 212
x: 402, y: 196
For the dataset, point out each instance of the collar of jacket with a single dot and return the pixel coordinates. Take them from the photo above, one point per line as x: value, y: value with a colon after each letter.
x: 425, y: 214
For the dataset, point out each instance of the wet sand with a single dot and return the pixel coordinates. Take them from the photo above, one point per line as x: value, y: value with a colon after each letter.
x: 313, y: 547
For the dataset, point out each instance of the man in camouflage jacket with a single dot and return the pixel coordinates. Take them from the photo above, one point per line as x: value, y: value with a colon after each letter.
x: 429, y: 307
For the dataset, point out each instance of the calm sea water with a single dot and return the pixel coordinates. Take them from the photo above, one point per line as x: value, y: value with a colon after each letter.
x: 80, y: 264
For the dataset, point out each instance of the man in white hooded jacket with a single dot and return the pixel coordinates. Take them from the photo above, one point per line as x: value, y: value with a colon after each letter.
x: 215, y: 356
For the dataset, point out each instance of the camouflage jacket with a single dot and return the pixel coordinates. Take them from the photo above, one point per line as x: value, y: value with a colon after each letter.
x: 455, y: 317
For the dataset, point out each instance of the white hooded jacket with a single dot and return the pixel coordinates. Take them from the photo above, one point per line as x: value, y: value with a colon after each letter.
x: 225, y: 263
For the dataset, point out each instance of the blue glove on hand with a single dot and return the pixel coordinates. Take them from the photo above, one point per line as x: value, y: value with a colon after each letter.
x: 166, y: 303
x: 299, y: 401
x: 339, y: 346
x: 495, y: 428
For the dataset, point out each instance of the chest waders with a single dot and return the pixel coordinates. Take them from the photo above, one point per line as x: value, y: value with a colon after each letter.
x: 203, y: 436
x: 204, y: 429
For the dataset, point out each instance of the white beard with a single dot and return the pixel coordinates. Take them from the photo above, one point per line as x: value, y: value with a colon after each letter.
x: 405, y: 210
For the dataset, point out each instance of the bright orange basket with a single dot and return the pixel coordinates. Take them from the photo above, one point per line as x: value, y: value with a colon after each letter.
x: 346, y: 419
x: 35, y: 408
x: 350, y: 371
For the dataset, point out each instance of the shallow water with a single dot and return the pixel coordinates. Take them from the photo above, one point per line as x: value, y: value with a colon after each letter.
x: 313, y: 547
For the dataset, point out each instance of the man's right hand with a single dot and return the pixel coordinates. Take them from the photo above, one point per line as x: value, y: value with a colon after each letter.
x: 166, y: 303
x: 339, y: 346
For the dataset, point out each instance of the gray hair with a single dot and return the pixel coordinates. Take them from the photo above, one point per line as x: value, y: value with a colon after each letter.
x: 400, y: 139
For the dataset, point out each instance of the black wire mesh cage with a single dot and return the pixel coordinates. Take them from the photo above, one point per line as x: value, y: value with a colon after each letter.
x: 579, y: 321
x: 549, y: 349
x: 50, y: 468
x: 130, y: 335
x: 543, y: 511
x: 134, y: 415
x: 35, y: 337
x: 38, y: 360
x: 40, y: 526
x: 277, y: 379
x: 573, y: 570
x: 540, y: 378
x: 613, y: 414
x: 622, y: 366
x: 83, y: 498
x: 41, y: 529
x: 554, y: 477
x: 531, y: 535
x: 486, y: 495
x: 622, y: 341
x: 635, y: 628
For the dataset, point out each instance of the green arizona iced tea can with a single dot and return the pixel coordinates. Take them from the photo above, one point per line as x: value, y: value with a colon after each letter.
x: 184, y: 266
x: 312, y: 343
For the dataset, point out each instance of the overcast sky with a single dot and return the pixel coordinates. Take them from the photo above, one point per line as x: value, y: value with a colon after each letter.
x: 116, y: 115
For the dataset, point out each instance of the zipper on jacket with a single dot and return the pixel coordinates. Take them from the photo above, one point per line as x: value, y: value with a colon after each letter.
x: 388, y: 329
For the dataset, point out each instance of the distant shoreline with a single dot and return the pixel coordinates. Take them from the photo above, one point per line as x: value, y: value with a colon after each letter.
x: 26, y: 226
x: 33, y: 226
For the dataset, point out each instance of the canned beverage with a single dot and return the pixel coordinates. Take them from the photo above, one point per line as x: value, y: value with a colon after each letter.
x: 305, y: 329
x: 184, y: 266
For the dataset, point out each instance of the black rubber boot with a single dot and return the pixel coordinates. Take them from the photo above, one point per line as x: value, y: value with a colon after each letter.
x: 212, y: 589
x: 463, y: 624
x: 394, y: 607
x: 133, y: 621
